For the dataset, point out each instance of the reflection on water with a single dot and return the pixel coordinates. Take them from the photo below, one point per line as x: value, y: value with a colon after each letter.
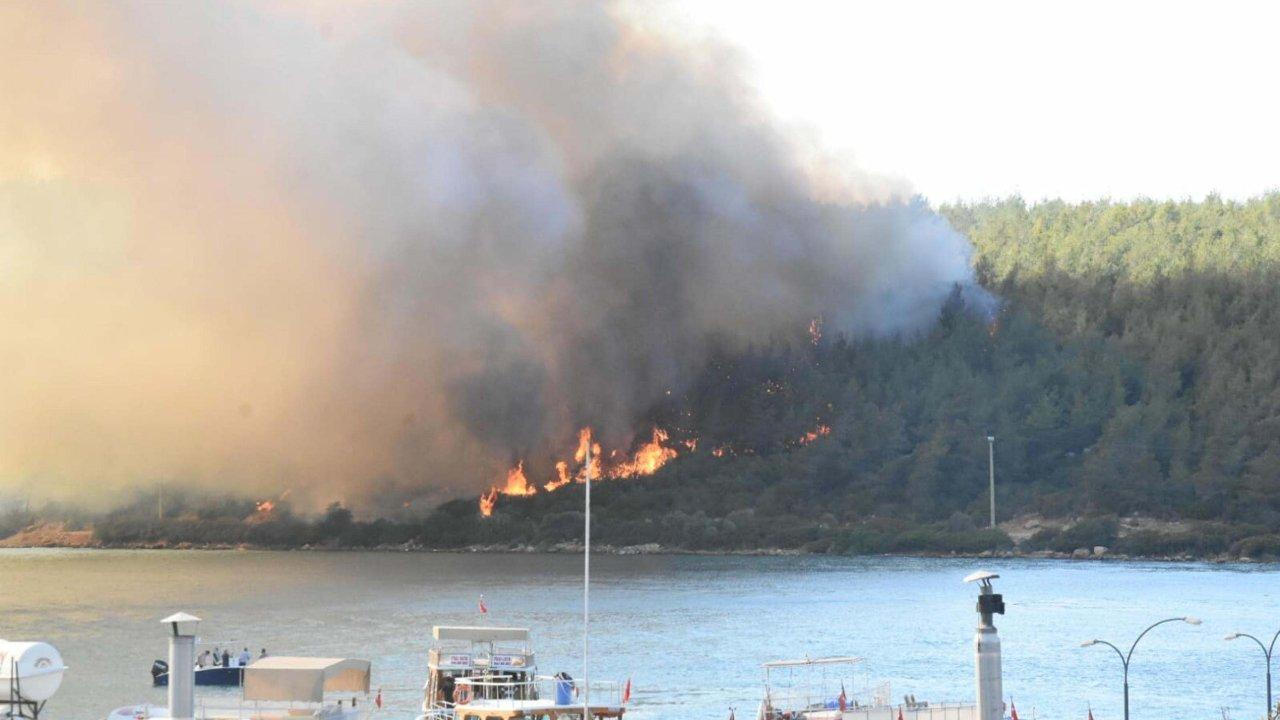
x: 690, y: 631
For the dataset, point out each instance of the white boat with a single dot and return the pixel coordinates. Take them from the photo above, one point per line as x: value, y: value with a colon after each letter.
x: 483, y: 673
x: 282, y: 687
x: 828, y: 689
x: 491, y: 672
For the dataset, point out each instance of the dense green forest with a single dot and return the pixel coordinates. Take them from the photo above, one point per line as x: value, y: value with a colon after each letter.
x: 1131, y: 368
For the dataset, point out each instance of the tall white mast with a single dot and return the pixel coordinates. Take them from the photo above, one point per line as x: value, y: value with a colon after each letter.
x: 586, y: 594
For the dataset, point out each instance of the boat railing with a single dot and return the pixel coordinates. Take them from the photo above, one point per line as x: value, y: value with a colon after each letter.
x: 915, y: 711
x: 495, y: 691
x: 906, y: 711
x: 229, y: 709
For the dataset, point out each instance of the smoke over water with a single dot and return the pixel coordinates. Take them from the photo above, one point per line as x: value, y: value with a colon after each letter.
x: 382, y: 251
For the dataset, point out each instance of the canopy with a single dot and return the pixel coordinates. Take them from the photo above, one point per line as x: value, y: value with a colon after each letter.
x: 813, y: 661
x: 304, y: 679
x: 481, y: 634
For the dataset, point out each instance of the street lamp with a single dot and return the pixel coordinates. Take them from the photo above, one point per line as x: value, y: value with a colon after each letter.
x: 1266, y: 650
x: 1124, y: 658
x: 991, y: 475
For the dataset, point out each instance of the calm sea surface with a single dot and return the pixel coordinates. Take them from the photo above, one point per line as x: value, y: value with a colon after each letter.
x: 690, y: 631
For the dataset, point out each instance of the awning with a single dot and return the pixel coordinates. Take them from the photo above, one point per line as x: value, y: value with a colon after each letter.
x: 481, y: 634
x: 303, y: 679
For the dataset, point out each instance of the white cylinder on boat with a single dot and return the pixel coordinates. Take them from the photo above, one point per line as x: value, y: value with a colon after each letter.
x: 182, y: 676
x: 986, y: 646
x: 36, y: 666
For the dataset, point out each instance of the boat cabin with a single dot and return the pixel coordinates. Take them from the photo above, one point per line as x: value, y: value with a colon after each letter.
x: 490, y: 673
x: 499, y: 656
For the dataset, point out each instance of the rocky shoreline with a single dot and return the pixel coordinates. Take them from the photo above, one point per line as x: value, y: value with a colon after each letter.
x: 1095, y: 554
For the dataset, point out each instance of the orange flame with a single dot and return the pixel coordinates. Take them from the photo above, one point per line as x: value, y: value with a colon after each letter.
x: 266, y: 506
x: 580, y: 455
x: 814, y: 434
x: 517, y: 483
x: 487, y: 501
x: 815, y: 330
x: 562, y: 477
x: 646, y: 460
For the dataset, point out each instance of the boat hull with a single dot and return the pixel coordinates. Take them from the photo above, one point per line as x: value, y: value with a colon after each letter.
x: 209, y: 676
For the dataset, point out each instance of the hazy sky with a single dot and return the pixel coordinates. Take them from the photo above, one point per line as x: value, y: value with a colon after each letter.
x: 1076, y: 100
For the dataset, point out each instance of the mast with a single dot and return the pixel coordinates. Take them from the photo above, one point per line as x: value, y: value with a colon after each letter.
x: 586, y: 594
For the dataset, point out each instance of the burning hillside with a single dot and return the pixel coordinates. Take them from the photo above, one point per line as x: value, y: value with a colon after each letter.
x: 645, y: 460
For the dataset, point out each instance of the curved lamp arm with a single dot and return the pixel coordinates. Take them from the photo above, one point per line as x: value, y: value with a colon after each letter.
x: 1154, y: 625
x: 1123, y: 661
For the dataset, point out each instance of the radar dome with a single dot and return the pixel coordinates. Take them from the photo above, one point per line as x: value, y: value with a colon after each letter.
x: 36, y: 666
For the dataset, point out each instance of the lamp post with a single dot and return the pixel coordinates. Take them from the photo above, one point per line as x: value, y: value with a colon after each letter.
x: 1266, y: 650
x: 1124, y: 658
x: 991, y: 475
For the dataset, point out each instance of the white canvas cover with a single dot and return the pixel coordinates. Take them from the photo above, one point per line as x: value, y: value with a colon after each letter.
x: 303, y: 679
x: 481, y: 634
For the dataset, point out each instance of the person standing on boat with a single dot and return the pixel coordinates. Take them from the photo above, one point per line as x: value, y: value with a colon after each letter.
x: 203, y: 659
x: 226, y: 658
x: 244, y: 658
x: 262, y: 654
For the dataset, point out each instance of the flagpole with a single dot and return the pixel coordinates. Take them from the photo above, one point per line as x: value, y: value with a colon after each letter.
x: 586, y: 594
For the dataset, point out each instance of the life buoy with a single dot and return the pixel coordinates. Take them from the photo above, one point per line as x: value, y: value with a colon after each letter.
x: 462, y: 695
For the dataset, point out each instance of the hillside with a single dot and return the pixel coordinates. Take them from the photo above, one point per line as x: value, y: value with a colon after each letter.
x: 1131, y: 369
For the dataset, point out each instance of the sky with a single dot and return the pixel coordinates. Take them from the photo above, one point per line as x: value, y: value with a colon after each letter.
x: 1071, y: 100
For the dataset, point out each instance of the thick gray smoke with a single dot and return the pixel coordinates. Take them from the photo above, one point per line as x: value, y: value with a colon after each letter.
x: 393, y: 247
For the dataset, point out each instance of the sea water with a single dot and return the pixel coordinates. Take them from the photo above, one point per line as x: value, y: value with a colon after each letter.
x: 689, y: 631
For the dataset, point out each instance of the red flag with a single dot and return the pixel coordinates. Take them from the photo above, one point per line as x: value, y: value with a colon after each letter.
x: 378, y: 699
x: 1090, y: 713
x: 626, y: 692
x: 1013, y: 710
x: 899, y: 712
x: 844, y: 699
x: 484, y: 609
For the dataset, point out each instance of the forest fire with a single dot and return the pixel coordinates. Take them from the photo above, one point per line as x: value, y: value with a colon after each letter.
x: 814, y: 434
x: 646, y: 460
x: 517, y: 483
x: 651, y: 456
x: 487, y: 501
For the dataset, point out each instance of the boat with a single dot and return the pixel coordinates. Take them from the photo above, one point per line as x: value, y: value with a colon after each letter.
x: 211, y: 675
x: 491, y: 672
x: 827, y: 689
x: 488, y: 673
x: 274, y: 687
x: 280, y: 687
x: 825, y: 697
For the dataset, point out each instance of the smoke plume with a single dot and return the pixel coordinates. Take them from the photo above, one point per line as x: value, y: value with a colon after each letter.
x: 384, y: 249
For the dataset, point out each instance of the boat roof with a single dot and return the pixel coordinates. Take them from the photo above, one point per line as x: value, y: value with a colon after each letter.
x: 481, y: 634
x: 539, y: 704
x: 304, y: 679
x: 846, y: 660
